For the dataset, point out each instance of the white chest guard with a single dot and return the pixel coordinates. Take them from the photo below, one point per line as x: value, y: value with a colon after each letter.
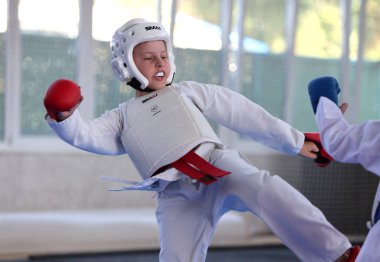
x: 161, y: 128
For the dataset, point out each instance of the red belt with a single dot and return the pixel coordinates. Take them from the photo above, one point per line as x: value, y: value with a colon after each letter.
x: 196, y: 167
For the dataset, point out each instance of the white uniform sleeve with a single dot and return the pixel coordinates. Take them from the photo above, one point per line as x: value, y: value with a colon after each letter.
x: 240, y: 114
x: 101, y: 135
x: 348, y: 143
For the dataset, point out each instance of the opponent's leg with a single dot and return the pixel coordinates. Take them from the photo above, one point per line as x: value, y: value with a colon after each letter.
x: 370, y: 250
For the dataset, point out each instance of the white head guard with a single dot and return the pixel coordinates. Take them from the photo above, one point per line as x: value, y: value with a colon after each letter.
x: 129, y: 35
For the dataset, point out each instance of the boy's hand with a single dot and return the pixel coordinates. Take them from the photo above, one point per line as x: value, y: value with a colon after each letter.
x: 62, y: 98
x: 322, y: 158
x: 309, y: 150
x: 65, y: 114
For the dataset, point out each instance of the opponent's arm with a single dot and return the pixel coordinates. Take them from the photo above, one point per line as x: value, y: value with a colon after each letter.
x: 344, y: 142
x: 327, y: 87
x: 348, y: 143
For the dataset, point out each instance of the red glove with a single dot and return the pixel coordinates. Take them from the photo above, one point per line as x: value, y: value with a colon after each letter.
x: 323, y: 158
x: 61, y: 96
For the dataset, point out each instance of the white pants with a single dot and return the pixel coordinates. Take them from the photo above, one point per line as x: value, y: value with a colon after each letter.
x: 188, y: 213
x: 370, y: 250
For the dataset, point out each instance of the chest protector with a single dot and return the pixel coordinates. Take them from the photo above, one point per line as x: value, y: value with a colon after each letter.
x: 161, y: 127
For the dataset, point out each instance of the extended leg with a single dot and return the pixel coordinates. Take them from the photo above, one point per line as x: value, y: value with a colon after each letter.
x: 300, y: 225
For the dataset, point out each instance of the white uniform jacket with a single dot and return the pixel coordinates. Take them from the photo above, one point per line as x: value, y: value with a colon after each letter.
x: 349, y: 143
x: 230, y: 109
x: 353, y: 144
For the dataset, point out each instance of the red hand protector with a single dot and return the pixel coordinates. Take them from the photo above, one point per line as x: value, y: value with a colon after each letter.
x: 61, y: 96
x: 323, y: 158
x: 353, y: 253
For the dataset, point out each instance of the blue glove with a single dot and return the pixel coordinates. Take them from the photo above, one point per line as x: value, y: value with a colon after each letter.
x: 326, y: 86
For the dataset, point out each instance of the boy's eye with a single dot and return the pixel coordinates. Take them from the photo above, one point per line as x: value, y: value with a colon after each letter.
x: 147, y: 58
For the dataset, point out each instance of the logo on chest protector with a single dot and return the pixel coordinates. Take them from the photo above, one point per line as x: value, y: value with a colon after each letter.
x: 155, y: 109
x: 149, y: 98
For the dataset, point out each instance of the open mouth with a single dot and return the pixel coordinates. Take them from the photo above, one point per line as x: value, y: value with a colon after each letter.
x: 160, y: 74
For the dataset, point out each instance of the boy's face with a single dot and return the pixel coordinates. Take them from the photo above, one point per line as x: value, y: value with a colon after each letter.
x: 152, y: 62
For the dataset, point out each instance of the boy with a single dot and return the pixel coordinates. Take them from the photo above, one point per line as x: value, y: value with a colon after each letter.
x: 177, y: 153
x: 347, y: 143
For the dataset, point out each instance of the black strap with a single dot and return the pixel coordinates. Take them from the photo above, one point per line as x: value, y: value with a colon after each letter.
x: 134, y: 83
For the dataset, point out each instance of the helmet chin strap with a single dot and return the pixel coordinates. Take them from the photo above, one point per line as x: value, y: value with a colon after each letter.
x: 134, y: 83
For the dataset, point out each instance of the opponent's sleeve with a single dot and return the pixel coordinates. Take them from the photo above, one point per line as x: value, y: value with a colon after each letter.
x: 100, y: 136
x: 348, y: 143
x: 245, y: 117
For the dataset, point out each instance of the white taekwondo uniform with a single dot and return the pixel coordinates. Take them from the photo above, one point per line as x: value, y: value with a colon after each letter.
x: 353, y: 144
x: 187, y: 211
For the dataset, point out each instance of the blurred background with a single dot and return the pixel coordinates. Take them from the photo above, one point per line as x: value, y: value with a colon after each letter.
x: 266, y: 50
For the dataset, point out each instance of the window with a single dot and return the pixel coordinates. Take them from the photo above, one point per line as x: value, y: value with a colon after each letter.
x: 48, y: 52
x: 70, y: 39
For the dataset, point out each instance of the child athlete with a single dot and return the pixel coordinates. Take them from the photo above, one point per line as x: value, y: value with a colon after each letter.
x: 177, y: 153
x: 348, y: 143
